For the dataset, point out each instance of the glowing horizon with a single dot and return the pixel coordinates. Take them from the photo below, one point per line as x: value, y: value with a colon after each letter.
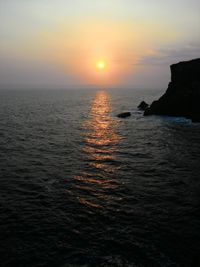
x: 62, y: 43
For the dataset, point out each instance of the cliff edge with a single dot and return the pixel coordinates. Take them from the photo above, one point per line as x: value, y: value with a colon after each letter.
x: 182, y: 97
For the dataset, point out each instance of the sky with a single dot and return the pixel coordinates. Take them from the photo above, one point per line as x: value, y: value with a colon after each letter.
x: 93, y: 43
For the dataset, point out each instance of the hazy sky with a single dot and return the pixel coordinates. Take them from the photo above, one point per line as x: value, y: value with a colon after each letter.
x: 46, y: 43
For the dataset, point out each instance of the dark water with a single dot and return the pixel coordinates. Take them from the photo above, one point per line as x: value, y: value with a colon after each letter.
x: 80, y: 187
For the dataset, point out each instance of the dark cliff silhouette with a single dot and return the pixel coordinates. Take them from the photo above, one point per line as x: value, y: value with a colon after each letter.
x: 182, y: 97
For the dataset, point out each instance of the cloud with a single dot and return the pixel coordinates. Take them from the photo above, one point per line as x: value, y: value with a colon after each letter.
x: 168, y: 56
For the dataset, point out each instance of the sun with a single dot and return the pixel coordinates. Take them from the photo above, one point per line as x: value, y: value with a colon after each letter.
x: 101, y: 64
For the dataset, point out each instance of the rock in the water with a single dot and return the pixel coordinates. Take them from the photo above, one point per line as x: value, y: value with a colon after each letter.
x: 182, y: 97
x: 143, y: 105
x: 124, y: 115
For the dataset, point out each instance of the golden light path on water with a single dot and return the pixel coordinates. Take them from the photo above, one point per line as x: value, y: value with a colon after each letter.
x: 101, y: 143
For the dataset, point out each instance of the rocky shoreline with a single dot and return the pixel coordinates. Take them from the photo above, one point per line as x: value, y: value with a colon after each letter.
x: 182, y: 97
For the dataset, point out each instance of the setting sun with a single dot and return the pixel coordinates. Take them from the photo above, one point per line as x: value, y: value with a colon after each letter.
x: 101, y: 64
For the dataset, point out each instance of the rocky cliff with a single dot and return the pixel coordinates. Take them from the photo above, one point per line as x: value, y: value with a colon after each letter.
x: 182, y: 97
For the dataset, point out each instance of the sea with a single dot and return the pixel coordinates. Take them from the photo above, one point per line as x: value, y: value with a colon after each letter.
x: 80, y: 187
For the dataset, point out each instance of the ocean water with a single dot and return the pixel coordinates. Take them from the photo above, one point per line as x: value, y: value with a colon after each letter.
x: 80, y: 187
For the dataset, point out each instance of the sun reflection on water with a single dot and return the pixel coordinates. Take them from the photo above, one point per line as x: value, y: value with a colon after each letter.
x: 101, y: 136
x: 98, y: 178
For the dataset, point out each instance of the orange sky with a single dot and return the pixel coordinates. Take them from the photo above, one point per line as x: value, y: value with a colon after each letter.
x: 120, y: 44
x: 60, y: 42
